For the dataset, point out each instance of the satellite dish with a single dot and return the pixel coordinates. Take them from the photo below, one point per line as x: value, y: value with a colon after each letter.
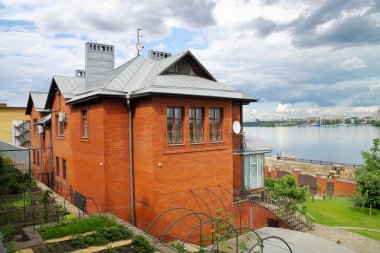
x: 139, y: 46
x: 236, y: 127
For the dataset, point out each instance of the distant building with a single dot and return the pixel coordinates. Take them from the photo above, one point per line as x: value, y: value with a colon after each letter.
x: 376, y: 116
x: 9, y: 117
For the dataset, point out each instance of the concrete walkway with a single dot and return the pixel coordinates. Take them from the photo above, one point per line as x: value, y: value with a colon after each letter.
x: 61, y: 200
x: 298, y: 241
x: 358, y: 243
x: 366, y: 229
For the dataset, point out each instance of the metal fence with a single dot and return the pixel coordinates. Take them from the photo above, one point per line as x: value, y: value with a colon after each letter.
x: 348, y: 165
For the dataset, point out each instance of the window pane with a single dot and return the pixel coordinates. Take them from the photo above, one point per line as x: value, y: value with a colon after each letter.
x: 177, y: 113
x: 199, y: 114
x: 211, y: 112
x: 217, y: 113
x: 253, y: 172
x: 260, y: 171
x: 246, y: 171
x: 169, y: 112
x: 64, y: 168
x: 191, y: 113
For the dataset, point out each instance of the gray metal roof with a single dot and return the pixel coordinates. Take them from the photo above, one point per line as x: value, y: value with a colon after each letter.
x: 39, y: 100
x: 69, y: 86
x: 256, y: 145
x: 141, y: 76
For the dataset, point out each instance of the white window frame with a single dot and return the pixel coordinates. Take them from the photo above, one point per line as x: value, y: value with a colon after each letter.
x: 254, y: 174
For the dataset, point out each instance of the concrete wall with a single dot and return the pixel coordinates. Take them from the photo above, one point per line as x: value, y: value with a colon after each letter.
x: 19, y: 155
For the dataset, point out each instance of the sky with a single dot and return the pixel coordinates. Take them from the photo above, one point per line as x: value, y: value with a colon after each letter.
x: 300, y: 58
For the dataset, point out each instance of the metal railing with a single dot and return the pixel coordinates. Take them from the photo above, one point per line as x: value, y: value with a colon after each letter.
x: 349, y: 165
x: 238, y: 141
x: 294, y: 219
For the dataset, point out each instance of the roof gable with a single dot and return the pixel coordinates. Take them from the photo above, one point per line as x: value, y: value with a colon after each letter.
x: 68, y: 86
x: 188, y: 65
x: 38, y: 99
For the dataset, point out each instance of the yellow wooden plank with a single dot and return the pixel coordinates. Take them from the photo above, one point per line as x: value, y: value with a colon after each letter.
x: 25, y: 251
x: 69, y: 237
x: 103, y: 247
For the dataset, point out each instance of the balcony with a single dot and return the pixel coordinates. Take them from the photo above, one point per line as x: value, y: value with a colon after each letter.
x: 238, y: 142
x: 246, y: 144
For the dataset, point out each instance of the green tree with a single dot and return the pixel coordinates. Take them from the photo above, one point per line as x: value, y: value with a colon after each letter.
x: 368, y: 177
x: 288, y: 192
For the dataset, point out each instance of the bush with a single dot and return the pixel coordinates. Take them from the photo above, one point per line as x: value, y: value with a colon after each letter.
x: 75, y: 226
x: 102, y: 236
x: 8, y: 232
x: 141, y: 244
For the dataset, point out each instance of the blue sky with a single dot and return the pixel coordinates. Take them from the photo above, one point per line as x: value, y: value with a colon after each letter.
x: 300, y: 58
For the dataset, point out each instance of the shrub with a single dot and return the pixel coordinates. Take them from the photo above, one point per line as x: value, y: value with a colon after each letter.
x: 75, y: 226
x: 102, y: 236
x: 8, y: 232
x: 141, y: 244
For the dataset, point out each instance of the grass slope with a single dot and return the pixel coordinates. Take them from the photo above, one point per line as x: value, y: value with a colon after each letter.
x: 340, y: 211
x: 370, y: 234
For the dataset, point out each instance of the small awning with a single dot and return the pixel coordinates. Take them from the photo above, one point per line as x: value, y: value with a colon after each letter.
x: 45, y: 120
x: 256, y: 145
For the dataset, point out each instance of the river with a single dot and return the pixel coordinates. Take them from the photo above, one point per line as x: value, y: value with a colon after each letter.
x: 325, y: 143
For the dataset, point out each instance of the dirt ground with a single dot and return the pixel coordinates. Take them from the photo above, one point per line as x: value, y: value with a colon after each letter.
x: 306, y: 168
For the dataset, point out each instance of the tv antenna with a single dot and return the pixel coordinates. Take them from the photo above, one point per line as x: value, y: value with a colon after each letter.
x: 139, y: 46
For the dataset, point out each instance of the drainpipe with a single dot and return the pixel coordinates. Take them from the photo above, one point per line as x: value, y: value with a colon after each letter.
x: 128, y: 97
x: 51, y: 157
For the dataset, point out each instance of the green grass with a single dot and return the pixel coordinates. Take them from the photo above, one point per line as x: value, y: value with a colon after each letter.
x: 370, y: 234
x: 75, y: 226
x: 340, y: 211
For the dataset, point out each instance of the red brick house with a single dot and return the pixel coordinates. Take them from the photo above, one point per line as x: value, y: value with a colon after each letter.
x: 40, y: 135
x: 153, y: 134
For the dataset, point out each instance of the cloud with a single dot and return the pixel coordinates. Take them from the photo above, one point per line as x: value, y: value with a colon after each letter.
x: 353, y: 64
x: 340, y: 22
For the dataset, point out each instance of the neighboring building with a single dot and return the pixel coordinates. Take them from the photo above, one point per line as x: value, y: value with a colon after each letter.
x: 10, y: 117
x: 21, y: 133
x: 153, y: 134
x: 40, y: 137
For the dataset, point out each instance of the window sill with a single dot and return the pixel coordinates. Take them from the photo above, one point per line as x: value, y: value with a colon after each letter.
x: 60, y: 137
x: 197, y: 143
x: 176, y: 145
x: 216, y: 142
x: 84, y: 139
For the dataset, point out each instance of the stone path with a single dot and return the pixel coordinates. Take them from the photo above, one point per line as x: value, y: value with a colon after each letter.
x: 358, y: 243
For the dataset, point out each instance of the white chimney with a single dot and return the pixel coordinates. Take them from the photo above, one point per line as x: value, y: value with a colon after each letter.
x: 100, y: 62
x: 157, y: 55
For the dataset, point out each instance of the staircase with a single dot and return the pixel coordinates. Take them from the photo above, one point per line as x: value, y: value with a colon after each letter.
x: 295, y: 220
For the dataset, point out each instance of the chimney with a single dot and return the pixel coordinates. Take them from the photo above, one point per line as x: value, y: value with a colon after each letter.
x: 157, y: 55
x: 80, y: 73
x: 100, y: 62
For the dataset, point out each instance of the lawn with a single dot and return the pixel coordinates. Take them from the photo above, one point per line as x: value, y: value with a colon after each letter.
x: 340, y: 211
x: 370, y: 234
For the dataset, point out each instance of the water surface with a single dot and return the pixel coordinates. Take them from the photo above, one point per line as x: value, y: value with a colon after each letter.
x: 325, y: 143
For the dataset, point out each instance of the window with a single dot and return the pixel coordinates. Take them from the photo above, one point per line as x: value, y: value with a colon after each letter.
x: 34, y: 157
x: 35, y: 127
x: 37, y: 158
x: 64, y: 169
x: 254, y: 171
x: 84, y: 124
x: 215, y: 118
x: 60, y: 127
x: 174, y: 125
x: 196, y: 124
x: 57, y: 165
